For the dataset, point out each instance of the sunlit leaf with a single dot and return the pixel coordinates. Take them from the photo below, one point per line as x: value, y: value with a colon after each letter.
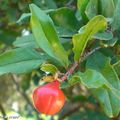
x: 49, y: 68
x: 82, y: 4
x: 46, y: 36
x: 95, y: 25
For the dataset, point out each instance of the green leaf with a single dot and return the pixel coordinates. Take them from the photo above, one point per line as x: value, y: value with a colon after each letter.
x: 50, y: 4
x: 92, y: 79
x: 23, y: 17
x: 21, y: 60
x: 116, y: 17
x: 107, y: 8
x: 25, y: 41
x: 95, y: 25
x: 117, y: 67
x: 29, y: 41
x: 104, y: 35
x: 49, y: 68
x: 73, y: 79
x: 82, y: 4
x: 64, y: 33
x: 64, y: 17
x: 115, y: 2
x: 64, y: 85
x: 108, y: 52
x: 92, y: 9
x: 111, y: 42
x: 102, y: 64
x: 106, y: 94
x: 109, y: 99
x: 46, y: 36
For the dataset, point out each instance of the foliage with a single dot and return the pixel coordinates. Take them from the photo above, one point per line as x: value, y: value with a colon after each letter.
x: 43, y: 37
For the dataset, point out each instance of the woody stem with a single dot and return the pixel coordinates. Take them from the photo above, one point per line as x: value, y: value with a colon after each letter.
x: 75, y: 65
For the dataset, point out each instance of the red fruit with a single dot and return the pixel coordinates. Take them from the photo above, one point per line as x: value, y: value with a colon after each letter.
x: 49, y: 98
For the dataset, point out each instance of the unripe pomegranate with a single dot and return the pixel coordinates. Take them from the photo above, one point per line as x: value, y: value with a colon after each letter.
x: 49, y: 98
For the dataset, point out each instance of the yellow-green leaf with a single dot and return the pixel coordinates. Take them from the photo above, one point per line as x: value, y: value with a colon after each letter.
x: 80, y: 40
x: 49, y: 68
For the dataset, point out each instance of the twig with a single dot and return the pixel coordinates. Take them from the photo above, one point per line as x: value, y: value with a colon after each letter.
x: 75, y: 65
x: 70, y: 71
x: 75, y: 107
x: 71, y: 110
x: 90, y: 53
x: 14, y: 78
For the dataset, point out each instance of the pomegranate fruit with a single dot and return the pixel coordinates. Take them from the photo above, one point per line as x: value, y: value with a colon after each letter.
x: 49, y: 98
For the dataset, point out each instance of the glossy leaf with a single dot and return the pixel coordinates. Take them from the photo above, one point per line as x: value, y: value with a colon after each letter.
x: 107, y: 8
x: 25, y: 41
x: 116, y: 17
x: 111, y: 42
x: 46, y: 36
x: 103, y: 65
x: 110, y: 101
x: 50, y: 4
x: 105, y: 35
x: 103, y: 82
x: 92, y: 8
x: 29, y: 40
x: 102, y: 90
x: 95, y: 25
x: 64, y: 17
x: 82, y: 4
x: 49, y: 68
x: 23, y: 16
x: 21, y: 60
x: 102, y: 35
x: 64, y: 33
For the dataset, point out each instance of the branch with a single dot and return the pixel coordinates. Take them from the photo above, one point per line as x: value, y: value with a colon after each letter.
x: 75, y: 107
x: 75, y: 65
x: 70, y: 71
x: 90, y: 53
x: 14, y: 78
x: 72, y: 108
